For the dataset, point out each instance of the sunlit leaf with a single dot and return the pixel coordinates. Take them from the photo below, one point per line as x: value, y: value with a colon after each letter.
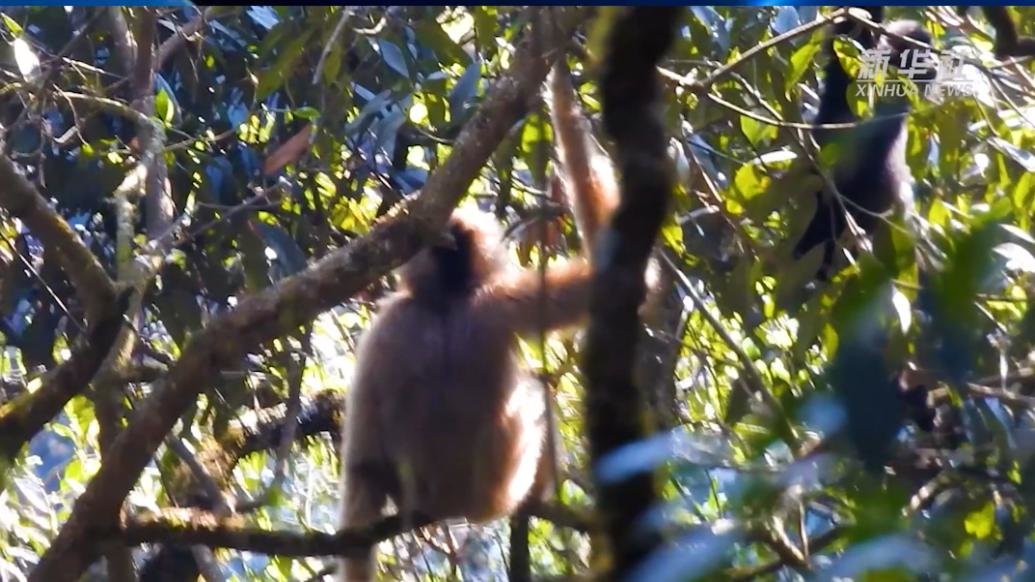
x: 11, y: 24
x: 164, y: 107
x: 757, y: 132
x: 981, y: 523
x: 430, y: 33
x: 26, y: 59
x: 1017, y: 257
x: 1023, y: 157
x: 903, y: 309
x: 802, y: 60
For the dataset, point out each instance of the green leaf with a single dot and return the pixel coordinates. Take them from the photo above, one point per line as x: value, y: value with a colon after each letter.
x: 738, y: 290
x: 332, y: 65
x: 981, y: 523
x: 895, y: 246
x: 757, y: 132
x: 810, y: 324
x: 12, y: 25
x: 802, y: 59
x: 533, y: 137
x: 430, y: 33
x: 164, y: 107
x: 273, y: 77
x: 393, y: 56
x: 954, y: 313
x: 1022, y: 194
x: 485, y: 26
x: 792, y: 185
x: 672, y: 235
x: 950, y: 141
x: 795, y: 275
x: 749, y: 182
x: 308, y: 113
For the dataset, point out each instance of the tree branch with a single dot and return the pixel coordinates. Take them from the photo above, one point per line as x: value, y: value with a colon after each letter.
x: 817, y: 544
x: 615, y: 407
x: 26, y: 415
x: 193, y: 527
x: 179, y: 40
x: 202, y: 528
x: 298, y: 300
x: 22, y: 200
x: 320, y: 413
x: 122, y: 40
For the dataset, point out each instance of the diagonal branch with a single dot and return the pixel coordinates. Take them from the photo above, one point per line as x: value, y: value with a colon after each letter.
x: 26, y: 415
x: 183, y: 34
x: 298, y: 300
x: 22, y: 200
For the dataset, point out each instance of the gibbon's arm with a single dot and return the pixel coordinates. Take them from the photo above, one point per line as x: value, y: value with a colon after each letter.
x: 527, y: 302
x: 530, y: 301
x: 833, y: 103
x: 589, y: 178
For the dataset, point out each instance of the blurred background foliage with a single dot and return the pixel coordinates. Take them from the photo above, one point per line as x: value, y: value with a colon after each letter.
x: 289, y: 131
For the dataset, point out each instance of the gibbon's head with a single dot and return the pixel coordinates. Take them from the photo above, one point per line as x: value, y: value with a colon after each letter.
x: 921, y: 70
x: 463, y: 259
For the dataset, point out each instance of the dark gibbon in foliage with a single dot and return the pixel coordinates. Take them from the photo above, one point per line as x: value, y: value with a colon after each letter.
x: 871, y: 173
x: 440, y: 418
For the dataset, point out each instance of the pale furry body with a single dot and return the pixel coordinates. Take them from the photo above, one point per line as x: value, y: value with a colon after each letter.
x: 440, y: 418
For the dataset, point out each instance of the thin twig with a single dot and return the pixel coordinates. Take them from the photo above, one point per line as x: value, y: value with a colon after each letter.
x: 346, y: 13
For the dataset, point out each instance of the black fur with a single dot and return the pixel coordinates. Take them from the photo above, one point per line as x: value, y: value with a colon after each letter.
x: 455, y: 262
x: 871, y: 173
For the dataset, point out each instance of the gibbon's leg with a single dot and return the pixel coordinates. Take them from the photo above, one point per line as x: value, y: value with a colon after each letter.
x: 367, y: 478
x: 363, y: 495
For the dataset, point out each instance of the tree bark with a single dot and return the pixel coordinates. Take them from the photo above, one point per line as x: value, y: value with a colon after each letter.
x: 616, y: 412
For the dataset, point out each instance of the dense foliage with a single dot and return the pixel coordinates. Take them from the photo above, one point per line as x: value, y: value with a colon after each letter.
x: 877, y: 425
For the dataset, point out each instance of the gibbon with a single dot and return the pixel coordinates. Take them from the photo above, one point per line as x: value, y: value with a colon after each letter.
x: 440, y: 418
x: 871, y: 174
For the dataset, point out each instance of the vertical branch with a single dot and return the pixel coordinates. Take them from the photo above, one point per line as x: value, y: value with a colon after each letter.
x: 665, y: 318
x: 150, y: 177
x: 520, y: 566
x: 122, y: 41
x: 158, y: 205
x: 615, y: 408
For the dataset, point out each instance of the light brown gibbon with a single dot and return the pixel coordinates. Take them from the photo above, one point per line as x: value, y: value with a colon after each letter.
x: 440, y: 418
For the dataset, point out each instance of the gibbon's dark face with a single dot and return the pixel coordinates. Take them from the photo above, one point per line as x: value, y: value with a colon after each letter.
x: 454, y: 261
x: 463, y: 259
